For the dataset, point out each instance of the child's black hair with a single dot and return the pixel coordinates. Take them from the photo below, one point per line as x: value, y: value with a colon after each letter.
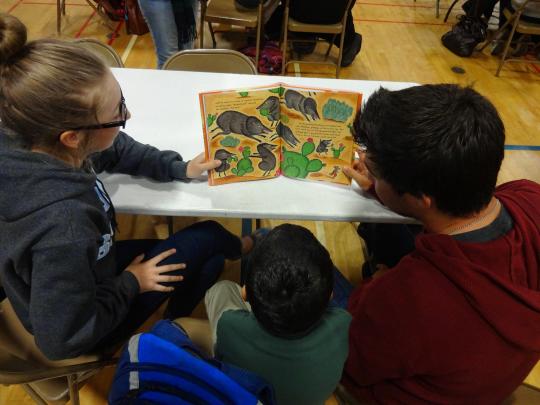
x: 289, y: 281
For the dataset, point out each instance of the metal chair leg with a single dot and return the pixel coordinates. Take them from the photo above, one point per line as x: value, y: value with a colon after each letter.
x: 58, y: 17
x: 496, y: 35
x: 329, y: 47
x: 284, y: 44
x: 450, y: 10
x: 340, y: 56
x: 260, y: 24
x: 508, y: 42
x: 170, y: 225
x: 214, y: 43
x: 33, y: 394
x: 73, y: 389
x: 201, y: 25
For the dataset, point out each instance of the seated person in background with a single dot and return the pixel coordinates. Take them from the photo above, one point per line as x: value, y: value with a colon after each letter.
x: 279, y: 325
x: 318, y: 12
x: 457, y: 319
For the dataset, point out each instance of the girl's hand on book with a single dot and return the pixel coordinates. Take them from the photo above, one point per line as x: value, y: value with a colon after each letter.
x: 198, y: 165
x: 150, y: 276
x: 359, y: 172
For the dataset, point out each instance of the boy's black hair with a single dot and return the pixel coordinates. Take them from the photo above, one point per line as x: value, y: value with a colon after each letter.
x: 443, y: 141
x: 289, y: 281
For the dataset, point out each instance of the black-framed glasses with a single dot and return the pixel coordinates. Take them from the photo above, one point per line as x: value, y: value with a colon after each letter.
x: 123, y: 113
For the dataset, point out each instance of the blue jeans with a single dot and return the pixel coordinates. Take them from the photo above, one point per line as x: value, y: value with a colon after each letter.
x: 342, y: 290
x: 203, y: 246
x: 160, y: 19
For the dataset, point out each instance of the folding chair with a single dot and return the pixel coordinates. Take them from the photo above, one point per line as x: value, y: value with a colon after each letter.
x: 46, y: 381
x: 226, y: 12
x: 514, y: 19
x: 104, y: 51
x: 61, y: 11
x: 211, y: 60
x: 291, y: 25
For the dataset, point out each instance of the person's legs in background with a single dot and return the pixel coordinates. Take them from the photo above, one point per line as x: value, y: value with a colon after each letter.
x: 386, y: 243
x: 159, y: 16
x: 342, y: 290
x: 185, y: 16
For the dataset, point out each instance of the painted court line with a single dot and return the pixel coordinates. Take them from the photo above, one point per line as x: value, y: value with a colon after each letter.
x: 115, y: 33
x: 297, y: 71
x: 319, y: 231
x: 521, y: 147
x: 13, y: 7
x: 78, y: 34
x: 53, y: 4
x: 126, y: 53
x: 361, y: 20
x: 402, y: 5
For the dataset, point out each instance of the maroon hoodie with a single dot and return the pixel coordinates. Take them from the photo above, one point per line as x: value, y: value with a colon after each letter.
x: 454, y: 322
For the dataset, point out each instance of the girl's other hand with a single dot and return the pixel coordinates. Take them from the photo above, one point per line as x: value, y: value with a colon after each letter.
x: 150, y: 275
x: 198, y: 165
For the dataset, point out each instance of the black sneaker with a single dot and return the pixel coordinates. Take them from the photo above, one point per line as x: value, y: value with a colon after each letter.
x: 351, y: 51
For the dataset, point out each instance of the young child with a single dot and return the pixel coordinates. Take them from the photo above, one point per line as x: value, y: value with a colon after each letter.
x: 72, y: 286
x: 279, y: 325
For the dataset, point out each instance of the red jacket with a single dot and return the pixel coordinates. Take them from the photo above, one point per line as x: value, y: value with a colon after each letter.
x: 453, y: 322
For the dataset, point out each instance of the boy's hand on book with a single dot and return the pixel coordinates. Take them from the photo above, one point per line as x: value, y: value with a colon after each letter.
x: 198, y: 165
x: 359, y: 172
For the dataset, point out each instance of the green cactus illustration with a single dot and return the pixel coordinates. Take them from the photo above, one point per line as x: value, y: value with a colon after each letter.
x: 210, y: 119
x: 294, y: 164
x: 244, y: 165
x: 336, y: 110
x: 278, y: 90
x: 230, y: 142
x: 337, y: 151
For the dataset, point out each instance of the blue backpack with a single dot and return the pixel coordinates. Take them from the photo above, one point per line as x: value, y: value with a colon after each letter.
x: 163, y: 366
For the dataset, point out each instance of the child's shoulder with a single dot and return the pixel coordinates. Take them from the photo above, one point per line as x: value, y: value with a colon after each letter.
x: 336, y: 318
x: 237, y: 318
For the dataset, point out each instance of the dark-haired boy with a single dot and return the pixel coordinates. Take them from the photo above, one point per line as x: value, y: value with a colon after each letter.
x: 279, y: 324
x: 456, y: 320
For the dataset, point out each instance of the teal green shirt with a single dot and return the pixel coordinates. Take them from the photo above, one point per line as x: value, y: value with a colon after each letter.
x: 304, y: 370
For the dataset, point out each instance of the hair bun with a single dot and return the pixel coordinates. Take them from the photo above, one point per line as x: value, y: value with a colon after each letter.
x: 12, y: 37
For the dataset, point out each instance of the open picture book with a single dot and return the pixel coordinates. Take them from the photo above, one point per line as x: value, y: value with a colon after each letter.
x: 261, y: 133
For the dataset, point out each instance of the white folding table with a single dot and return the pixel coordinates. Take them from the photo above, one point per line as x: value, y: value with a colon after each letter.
x: 165, y: 113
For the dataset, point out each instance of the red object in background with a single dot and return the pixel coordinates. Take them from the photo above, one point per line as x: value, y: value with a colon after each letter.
x: 270, y: 57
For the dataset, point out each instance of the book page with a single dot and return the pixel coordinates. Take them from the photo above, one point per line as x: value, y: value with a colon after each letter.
x: 240, y: 130
x: 316, y: 134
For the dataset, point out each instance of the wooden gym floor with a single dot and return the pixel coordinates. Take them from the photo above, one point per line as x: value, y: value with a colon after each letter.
x: 401, y: 42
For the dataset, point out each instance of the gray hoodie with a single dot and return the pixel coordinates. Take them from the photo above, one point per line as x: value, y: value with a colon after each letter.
x: 57, y: 256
